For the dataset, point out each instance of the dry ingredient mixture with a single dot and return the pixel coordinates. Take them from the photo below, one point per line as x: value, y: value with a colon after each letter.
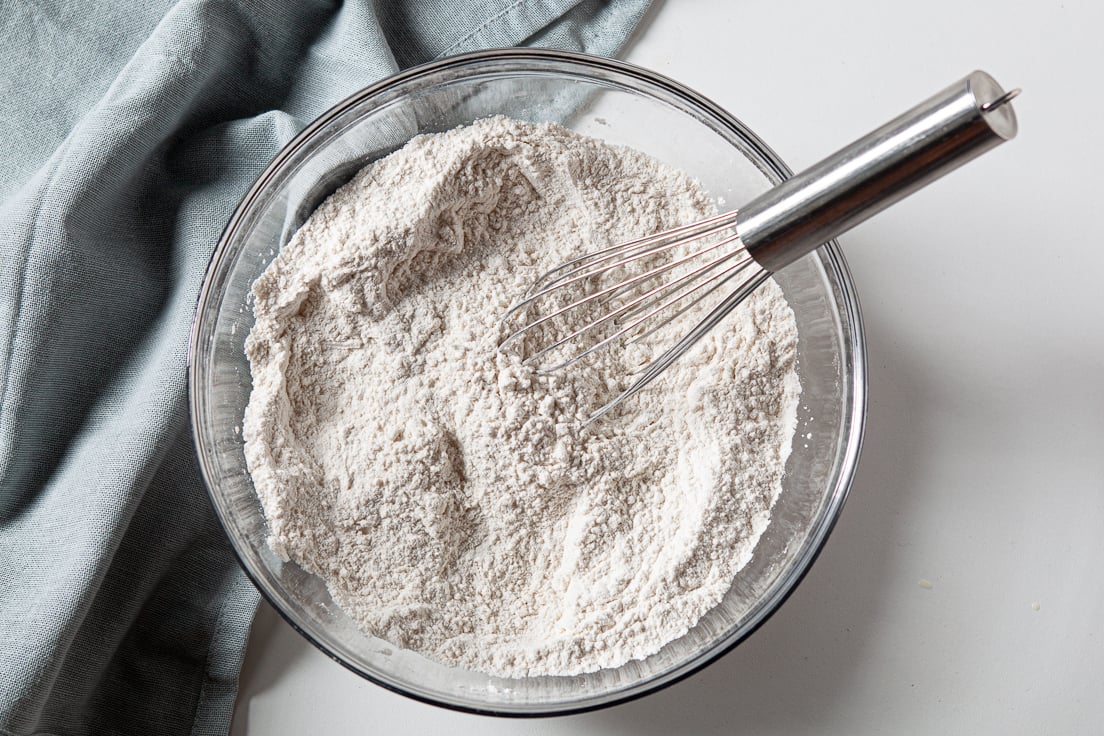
x: 447, y: 494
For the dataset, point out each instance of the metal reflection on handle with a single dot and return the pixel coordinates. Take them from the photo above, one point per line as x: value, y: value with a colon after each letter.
x: 930, y: 140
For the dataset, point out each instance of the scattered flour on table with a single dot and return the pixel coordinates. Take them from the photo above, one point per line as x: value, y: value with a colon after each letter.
x: 444, y: 491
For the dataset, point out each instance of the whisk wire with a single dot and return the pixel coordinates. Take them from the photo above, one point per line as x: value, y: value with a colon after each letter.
x: 731, y: 273
x: 695, y: 230
x: 664, y: 361
x: 634, y: 306
x: 605, y: 292
x: 693, y: 274
x: 727, y: 275
x: 696, y: 284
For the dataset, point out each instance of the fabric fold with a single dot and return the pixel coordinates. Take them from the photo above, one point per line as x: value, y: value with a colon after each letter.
x: 133, y: 131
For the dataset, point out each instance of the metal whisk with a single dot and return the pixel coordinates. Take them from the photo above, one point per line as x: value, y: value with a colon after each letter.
x: 644, y: 284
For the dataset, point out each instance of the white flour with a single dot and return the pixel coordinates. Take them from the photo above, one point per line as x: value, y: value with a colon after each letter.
x: 446, y: 493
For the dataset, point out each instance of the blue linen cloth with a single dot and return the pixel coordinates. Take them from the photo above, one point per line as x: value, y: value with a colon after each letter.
x: 130, y: 131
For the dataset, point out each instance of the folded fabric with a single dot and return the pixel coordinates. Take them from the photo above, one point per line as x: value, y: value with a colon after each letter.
x: 130, y: 132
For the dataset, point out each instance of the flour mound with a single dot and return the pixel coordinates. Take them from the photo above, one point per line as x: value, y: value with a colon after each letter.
x: 445, y: 492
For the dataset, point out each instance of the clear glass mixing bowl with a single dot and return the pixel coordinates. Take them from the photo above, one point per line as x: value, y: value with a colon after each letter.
x: 598, y: 97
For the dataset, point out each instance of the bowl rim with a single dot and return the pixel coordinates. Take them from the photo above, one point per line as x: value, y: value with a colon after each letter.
x: 831, y: 258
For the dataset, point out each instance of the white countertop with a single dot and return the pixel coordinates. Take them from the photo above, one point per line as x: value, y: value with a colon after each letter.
x: 983, y: 468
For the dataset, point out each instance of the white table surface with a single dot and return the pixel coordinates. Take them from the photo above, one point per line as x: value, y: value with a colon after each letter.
x: 983, y: 468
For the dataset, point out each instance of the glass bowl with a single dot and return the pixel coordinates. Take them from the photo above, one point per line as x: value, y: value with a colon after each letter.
x: 608, y: 100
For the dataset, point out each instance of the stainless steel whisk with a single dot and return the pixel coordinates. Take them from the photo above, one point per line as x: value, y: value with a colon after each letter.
x: 742, y: 248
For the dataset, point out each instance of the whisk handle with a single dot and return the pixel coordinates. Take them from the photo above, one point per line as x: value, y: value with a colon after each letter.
x: 933, y: 138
